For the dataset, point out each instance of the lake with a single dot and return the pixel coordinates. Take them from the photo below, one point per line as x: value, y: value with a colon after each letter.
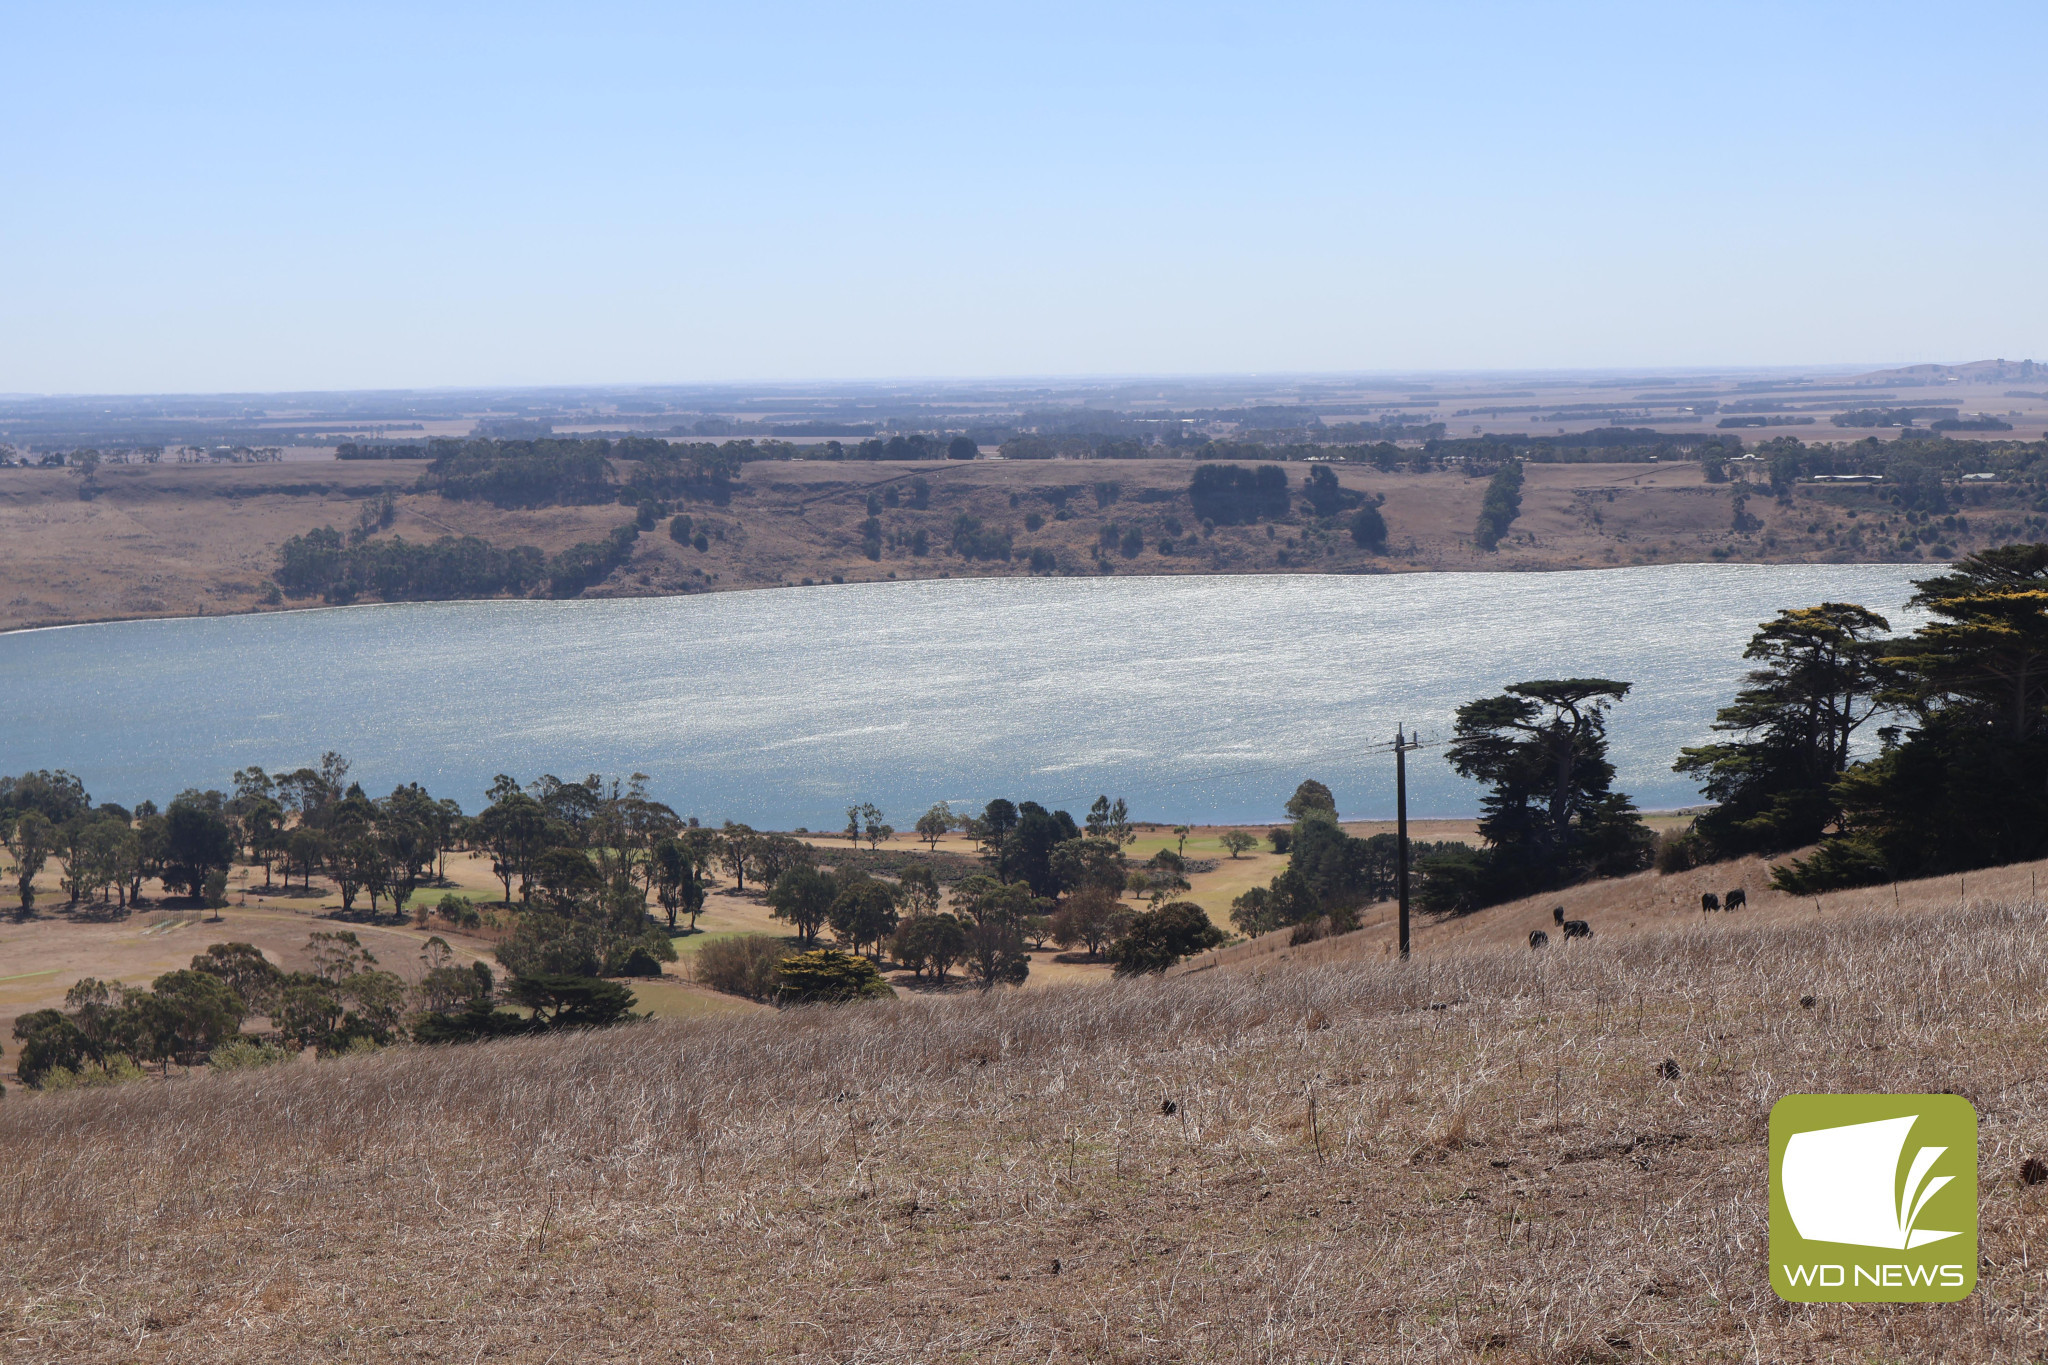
x: 1197, y: 698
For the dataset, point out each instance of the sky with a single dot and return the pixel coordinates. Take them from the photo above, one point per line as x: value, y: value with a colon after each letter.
x: 209, y: 198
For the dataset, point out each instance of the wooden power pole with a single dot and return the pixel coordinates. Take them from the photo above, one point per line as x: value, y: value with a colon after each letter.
x: 1402, y: 744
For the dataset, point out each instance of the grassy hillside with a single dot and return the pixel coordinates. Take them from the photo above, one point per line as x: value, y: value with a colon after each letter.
x: 184, y: 540
x: 1475, y: 1157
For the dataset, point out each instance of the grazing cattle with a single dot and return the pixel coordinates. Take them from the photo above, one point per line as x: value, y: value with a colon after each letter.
x: 1709, y: 901
x: 1736, y: 899
x: 1577, y: 928
x: 1557, y: 914
x: 1538, y: 939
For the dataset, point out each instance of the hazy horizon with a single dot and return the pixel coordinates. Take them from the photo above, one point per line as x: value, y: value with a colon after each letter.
x: 936, y: 382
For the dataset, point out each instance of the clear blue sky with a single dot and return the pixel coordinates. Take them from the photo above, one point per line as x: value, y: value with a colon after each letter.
x: 283, y: 196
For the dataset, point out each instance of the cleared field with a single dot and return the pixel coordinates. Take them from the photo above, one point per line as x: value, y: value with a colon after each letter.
x: 1470, y: 1158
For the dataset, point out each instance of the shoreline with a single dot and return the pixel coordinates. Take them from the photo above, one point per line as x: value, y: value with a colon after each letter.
x: 1517, y: 570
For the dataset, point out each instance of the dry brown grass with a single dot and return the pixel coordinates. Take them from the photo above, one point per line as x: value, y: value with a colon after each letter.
x: 1473, y: 1158
x: 1647, y: 903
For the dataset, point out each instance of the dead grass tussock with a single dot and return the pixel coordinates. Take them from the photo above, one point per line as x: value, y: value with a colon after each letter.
x: 1108, y: 1173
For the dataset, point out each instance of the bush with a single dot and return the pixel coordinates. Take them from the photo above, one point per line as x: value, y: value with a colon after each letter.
x: 243, y: 1052
x: 742, y: 966
x: 1369, y: 530
x: 639, y: 962
x: 826, y: 976
x: 1836, y: 864
x: 1157, y: 939
x: 571, y: 1001
x: 1680, y: 851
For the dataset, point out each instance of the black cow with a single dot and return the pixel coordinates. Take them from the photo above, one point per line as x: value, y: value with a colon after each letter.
x: 1557, y: 914
x: 1736, y: 899
x: 1538, y: 939
x: 1709, y: 901
x: 1577, y: 928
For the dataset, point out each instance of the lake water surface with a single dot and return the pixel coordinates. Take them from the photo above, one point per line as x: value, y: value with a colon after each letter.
x: 1198, y: 698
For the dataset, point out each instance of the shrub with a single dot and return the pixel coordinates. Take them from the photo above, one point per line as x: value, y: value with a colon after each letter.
x: 826, y: 975
x: 243, y: 1052
x: 1157, y: 939
x: 1369, y: 530
x: 742, y: 966
x: 1680, y: 851
x: 571, y: 1001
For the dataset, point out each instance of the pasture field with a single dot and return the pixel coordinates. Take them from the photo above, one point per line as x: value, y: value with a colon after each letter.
x: 1480, y: 1156
x: 166, y: 541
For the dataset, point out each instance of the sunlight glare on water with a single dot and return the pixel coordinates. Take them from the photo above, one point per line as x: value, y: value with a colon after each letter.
x: 1198, y: 698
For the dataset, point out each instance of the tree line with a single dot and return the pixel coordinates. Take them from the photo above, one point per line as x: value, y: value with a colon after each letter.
x: 319, y: 563
x: 598, y: 878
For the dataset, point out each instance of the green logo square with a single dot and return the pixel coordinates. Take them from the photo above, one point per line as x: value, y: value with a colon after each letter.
x: 1873, y: 1198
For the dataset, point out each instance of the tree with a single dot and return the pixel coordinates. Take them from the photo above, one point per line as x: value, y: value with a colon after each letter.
x: 1326, y: 497
x: 998, y: 818
x: 198, y: 840
x: 1091, y: 917
x: 564, y: 1001
x: 409, y: 837
x: 30, y: 839
x: 735, y: 849
x: 962, y: 448
x: 1238, y: 841
x: 307, y: 848
x: 1089, y: 861
x: 98, y: 850
x: 995, y: 953
x: 338, y: 955
x: 1311, y: 795
x: 677, y: 886
x: 49, y: 1042
x: 771, y: 855
x: 996, y: 911
x: 1967, y: 785
x: 215, y: 892
x: 1026, y: 852
x: 1502, y: 504
x: 929, y: 942
x: 246, y: 971
x: 1369, y: 529
x: 1161, y: 937
x: 917, y: 890
x: 515, y: 830
x: 1253, y: 912
x: 803, y: 897
x: 1110, y: 820
x: 1823, y: 677
x: 55, y: 794
x: 863, y: 912
x: 827, y: 976
x: 264, y: 832
x: 567, y: 878
x: 1551, y: 817
x: 193, y: 1013
x: 934, y: 823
